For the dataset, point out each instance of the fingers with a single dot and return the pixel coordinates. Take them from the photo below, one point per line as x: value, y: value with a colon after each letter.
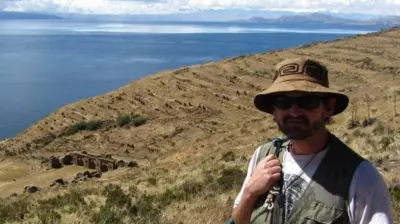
x: 270, y: 157
x: 274, y: 170
x: 275, y: 176
x: 270, y: 161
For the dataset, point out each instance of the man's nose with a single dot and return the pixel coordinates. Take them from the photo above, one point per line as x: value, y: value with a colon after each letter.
x: 294, y: 110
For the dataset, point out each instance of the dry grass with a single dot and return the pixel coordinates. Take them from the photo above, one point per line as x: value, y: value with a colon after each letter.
x: 196, y: 117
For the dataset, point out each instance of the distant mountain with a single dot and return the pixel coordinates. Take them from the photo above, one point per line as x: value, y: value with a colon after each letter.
x: 322, y: 18
x: 388, y: 21
x: 25, y: 15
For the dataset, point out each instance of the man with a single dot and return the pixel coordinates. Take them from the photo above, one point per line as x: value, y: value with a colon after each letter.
x: 310, y: 176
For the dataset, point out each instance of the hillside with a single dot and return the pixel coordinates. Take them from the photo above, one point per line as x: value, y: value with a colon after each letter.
x: 192, y: 132
x: 5, y: 15
x: 322, y: 18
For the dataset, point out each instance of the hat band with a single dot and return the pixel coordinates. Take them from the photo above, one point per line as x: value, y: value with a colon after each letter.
x: 300, y: 77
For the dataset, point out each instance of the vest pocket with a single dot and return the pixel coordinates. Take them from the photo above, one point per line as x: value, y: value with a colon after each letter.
x: 319, y: 213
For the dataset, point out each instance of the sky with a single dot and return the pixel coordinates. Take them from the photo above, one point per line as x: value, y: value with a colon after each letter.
x: 119, y: 7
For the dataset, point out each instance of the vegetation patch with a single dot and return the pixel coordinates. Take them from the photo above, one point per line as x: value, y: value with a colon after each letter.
x: 14, y: 210
x: 231, y: 178
x: 395, y: 193
x: 117, y: 207
x: 135, y: 120
x: 93, y: 125
x: 44, y: 140
x: 70, y: 202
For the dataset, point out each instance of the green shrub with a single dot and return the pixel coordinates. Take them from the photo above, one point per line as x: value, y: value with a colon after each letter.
x: 44, y: 140
x: 147, y: 211
x: 107, y: 214
x: 116, y: 196
x: 395, y: 192
x: 135, y: 120
x: 14, y: 211
x: 73, y: 201
x: 118, y: 206
x: 86, y: 126
x: 49, y: 217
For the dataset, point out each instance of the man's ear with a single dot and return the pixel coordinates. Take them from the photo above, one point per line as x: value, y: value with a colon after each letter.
x: 274, y: 114
x: 330, y: 107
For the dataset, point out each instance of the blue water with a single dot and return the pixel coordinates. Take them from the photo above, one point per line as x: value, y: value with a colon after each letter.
x: 47, y: 64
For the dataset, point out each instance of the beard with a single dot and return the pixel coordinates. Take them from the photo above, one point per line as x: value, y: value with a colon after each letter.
x: 299, y: 128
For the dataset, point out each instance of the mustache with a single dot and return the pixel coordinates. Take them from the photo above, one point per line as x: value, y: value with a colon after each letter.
x: 295, y: 119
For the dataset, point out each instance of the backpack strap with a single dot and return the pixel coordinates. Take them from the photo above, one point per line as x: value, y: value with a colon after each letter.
x: 277, y: 147
x: 272, y: 147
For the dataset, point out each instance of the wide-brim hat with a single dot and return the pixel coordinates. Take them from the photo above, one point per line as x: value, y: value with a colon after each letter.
x: 299, y: 75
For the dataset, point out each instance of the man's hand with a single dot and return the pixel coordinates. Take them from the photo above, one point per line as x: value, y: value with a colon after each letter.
x: 266, y: 173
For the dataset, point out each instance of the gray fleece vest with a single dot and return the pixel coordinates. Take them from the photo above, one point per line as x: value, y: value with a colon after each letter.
x: 325, y: 200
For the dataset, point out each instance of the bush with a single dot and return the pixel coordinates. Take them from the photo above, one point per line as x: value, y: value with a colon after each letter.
x: 395, y: 193
x: 118, y: 205
x: 107, y: 214
x: 14, y: 211
x: 135, y: 120
x: 85, y: 126
x: 147, y: 211
x: 73, y: 201
x: 44, y: 140
x: 49, y: 217
x: 116, y: 196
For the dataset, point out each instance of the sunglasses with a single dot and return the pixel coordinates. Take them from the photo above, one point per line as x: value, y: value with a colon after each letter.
x: 308, y: 102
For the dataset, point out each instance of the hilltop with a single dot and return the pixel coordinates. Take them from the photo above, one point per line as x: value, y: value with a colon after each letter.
x: 192, y: 132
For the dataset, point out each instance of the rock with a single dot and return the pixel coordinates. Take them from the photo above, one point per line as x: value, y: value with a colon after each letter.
x: 133, y: 164
x: 87, y: 174
x: 79, y: 175
x: 31, y: 189
x: 67, y: 160
x: 96, y: 174
x: 54, y: 162
x: 59, y: 182
x: 121, y: 163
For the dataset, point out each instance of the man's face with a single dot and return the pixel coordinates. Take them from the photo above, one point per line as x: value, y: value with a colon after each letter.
x: 300, y: 115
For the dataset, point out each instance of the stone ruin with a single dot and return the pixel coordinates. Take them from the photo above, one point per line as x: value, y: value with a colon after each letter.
x: 100, y: 163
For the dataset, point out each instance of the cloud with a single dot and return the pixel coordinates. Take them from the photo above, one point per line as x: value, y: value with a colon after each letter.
x: 380, y: 7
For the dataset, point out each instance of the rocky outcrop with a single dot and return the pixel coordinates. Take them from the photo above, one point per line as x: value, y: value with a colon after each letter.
x: 133, y: 164
x: 59, y: 182
x: 31, y: 189
x: 86, y: 175
x: 54, y: 162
